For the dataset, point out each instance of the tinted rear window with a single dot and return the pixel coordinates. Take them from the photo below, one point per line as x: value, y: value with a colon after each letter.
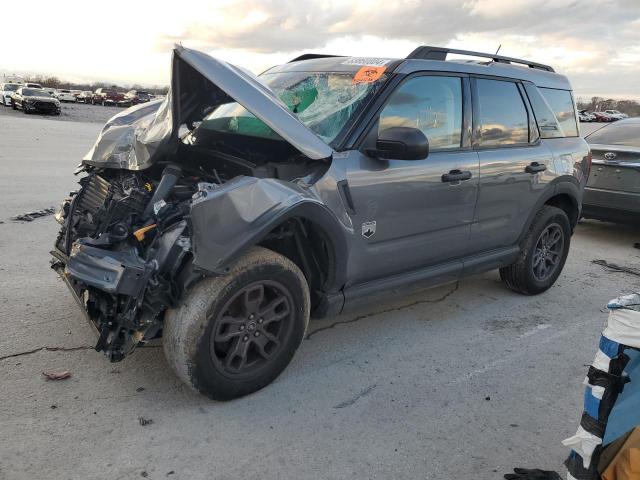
x: 617, y: 134
x: 561, y: 104
x: 503, y: 116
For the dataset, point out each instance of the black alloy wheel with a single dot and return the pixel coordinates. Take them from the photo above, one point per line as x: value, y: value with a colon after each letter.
x: 250, y: 328
x: 233, y: 334
x: 543, y: 252
x: 548, y: 252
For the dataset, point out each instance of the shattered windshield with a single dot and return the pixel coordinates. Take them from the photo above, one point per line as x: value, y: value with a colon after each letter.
x: 323, y: 101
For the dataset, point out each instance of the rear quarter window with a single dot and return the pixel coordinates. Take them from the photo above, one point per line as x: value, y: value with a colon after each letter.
x: 561, y: 104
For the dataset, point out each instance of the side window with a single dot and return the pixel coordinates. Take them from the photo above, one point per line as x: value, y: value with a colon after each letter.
x: 561, y: 103
x: 502, y: 115
x: 431, y: 104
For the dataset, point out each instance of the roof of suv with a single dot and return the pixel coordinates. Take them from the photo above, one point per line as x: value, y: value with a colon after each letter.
x: 434, y: 59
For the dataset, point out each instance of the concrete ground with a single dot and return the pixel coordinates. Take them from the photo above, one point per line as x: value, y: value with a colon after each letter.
x: 463, y: 381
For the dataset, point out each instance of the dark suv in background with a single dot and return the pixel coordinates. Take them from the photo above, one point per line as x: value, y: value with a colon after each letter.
x: 326, y: 181
x: 134, y: 97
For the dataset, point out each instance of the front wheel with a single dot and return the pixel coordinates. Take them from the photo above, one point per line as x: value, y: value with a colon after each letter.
x: 234, y: 334
x: 543, y: 254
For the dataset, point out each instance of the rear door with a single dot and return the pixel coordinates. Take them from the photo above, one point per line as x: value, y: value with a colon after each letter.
x: 407, y: 216
x: 514, y: 165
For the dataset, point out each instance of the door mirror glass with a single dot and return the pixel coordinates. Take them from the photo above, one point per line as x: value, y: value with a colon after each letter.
x: 401, y: 143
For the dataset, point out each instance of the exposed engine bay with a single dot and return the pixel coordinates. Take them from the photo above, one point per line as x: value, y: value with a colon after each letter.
x: 122, y: 250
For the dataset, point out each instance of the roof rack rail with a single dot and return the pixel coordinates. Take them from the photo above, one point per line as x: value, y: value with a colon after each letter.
x: 311, y: 56
x: 426, y: 52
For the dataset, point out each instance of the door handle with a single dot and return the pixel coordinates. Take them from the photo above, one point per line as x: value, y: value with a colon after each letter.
x: 535, y: 167
x: 456, y: 175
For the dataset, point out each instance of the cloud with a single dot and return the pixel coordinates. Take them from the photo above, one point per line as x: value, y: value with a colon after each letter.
x: 579, y: 38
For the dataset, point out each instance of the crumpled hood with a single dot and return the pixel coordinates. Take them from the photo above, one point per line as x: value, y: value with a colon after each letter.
x: 137, y: 137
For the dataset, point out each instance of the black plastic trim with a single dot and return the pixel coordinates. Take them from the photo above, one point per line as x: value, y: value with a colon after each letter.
x: 427, y: 52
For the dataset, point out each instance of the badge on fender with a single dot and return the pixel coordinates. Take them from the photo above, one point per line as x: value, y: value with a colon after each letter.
x: 368, y: 229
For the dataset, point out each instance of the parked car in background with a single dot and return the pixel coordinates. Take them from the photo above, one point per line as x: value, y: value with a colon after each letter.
x: 64, y: 95
x: 75, y: 93
x: 85, y: 96
x: 51, y: 91
x: 616, y: 114
x: 585, y: 116
x: 602, y: 117
x: 6, y: 90
x: 232, y: 252
x: 107, y: 96
x: 32, y: 85
x: 34, y: 100
x: 613, y: 189
x: 137, y: 96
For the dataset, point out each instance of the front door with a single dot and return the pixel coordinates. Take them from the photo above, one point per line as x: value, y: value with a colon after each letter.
x: 411, y: 214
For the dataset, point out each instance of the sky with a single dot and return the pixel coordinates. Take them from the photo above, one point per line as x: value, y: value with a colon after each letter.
x: 596, y: 43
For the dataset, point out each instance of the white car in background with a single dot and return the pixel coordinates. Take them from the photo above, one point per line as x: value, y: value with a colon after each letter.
x: 6, y: 90
x: 585, y: 116
x: 32, y: 85
x: 64, y: 95
x: 616, y: 114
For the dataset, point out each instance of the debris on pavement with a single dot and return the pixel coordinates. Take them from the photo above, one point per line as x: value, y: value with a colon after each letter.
x: 144, y: 421
x: 617, y: 268
x: 31, y: 216
x: 57, y: 375
x: 534, y: 474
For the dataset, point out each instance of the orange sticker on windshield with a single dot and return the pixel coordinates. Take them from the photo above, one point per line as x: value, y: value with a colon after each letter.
x: 368, y: 74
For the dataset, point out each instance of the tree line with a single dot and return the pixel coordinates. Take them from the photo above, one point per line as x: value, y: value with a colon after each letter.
x: 55, y: 82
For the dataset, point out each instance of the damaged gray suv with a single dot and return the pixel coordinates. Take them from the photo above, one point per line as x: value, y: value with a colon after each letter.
x: 224, y: 216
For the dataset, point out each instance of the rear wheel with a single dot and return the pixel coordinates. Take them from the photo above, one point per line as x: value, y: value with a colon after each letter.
x: 234, y: 334
x: 544, y: 251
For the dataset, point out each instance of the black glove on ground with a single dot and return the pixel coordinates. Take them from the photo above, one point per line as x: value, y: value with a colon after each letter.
x: 526, y: 474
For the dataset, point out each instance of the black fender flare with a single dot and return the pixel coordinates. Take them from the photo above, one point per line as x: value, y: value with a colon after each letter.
x: 566, y: 185
x: 228, y: 220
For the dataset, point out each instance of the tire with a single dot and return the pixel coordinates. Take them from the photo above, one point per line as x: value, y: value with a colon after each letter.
x: 541, y: 260
x: 205, y: 337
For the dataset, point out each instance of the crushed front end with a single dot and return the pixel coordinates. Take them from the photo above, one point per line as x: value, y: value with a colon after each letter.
x: 123, y: 250
x: 172, y: 190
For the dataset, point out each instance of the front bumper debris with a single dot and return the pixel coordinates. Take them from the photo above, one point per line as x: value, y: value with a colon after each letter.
x: 116, y: 273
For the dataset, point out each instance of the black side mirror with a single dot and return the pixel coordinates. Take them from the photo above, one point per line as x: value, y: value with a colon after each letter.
x: 401, y: 143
